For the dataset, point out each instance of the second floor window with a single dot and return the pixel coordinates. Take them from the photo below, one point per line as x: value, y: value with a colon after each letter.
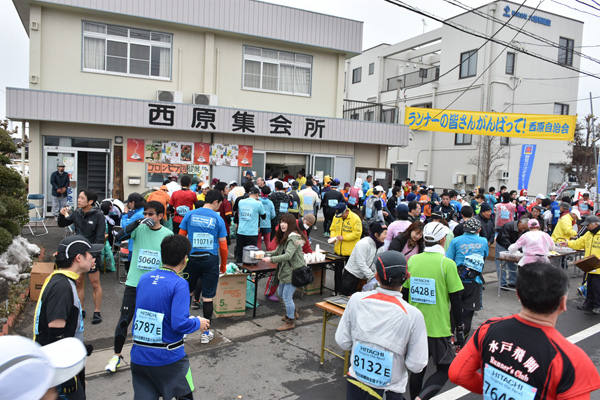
x: 510, y: 63
x: 565, y: 51
x: 468, y: 64
x: 127, y: 51
x: 356, y: 75
x: 561, y: 109
x: 461, y: 139
x: 277, y: 71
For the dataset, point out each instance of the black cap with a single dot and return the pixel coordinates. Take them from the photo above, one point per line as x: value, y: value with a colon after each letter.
x: 254, y: 190
x: 295, y: 184
x: 73, y: 245
x: 390, y: 264
x: 135, y: 197
x: 485, y: 207
x: 339, y: 208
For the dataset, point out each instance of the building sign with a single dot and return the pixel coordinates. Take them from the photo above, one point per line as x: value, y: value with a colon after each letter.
x: 534, y: 126
x: 533, y: 18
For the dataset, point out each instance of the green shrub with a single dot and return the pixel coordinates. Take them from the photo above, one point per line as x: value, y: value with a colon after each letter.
x: 13, y: 195
x: 5, y: 240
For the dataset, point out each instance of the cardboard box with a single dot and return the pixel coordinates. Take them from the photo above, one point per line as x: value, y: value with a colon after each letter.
x: 230, y: 300
x: 315, y: 286
x: 39, y: 273
x: 492, y: 255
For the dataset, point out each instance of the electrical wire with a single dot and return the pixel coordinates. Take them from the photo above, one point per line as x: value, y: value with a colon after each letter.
x: 464, y: 29
x: 548, y: 45
x: 554, y: 79
x: 586, y: 4
x: 576, y: 9
x: 558, y: 46
x: 552, y: 102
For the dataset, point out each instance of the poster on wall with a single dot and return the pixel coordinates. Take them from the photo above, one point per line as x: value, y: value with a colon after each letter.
x: 135, y: 150
x: 201, y: 171
x: 245, y: 156
x: 231, y: 156
x: 186, y: 152
x: 201, y: 153
x: 217, y: 151
x: 170, y: 152
x: 69, y: 163
x: 153, y: 150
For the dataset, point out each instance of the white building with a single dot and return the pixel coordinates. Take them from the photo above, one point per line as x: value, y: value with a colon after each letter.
x: 433, y: 69
x: 110, y: 79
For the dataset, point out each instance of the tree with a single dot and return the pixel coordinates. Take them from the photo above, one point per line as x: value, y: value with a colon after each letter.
x: 491, y: 156
x: 13, y: 195
x: 583, y: 161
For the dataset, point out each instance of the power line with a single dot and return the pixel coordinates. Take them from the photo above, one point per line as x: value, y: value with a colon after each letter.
x: 554, y: 79
x: 548, y: 45
x: 586, y: 4
x: 475, y: 11
x: 576, y: 9
x: 552, y: 102
x: 464, y: 29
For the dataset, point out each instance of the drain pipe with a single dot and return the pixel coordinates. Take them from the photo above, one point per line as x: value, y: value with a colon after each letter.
x: 434, y: 87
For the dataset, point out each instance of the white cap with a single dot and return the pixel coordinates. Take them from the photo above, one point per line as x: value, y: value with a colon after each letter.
x: 458, y: 197
x: 286, y: 185
x: 317, y: 178
x: 540, y: 196
x: 430, y: 187
x: 28, y: 370
x: 206, y: 186
x: 434, y: 232
x: 522, y: 198
x: 378, y: 188
x: 553, y: 194
x: 576, y: 212
x: 232, y: 182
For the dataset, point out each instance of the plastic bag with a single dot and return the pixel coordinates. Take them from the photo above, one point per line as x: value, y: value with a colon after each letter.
x: 232, y: 269
x: 250, y: 293
x: 107, y: 258
x: 232, y: 230
x: 169, y: 224
x: 371, y: 285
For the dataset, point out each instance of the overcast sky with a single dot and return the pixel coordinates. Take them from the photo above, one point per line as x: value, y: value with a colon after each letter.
x: 383, y: 23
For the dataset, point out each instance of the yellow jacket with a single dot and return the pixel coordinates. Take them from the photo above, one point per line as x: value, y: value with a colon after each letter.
x: 350, y: 229
x: 564, y: 228
x: 591, y: 244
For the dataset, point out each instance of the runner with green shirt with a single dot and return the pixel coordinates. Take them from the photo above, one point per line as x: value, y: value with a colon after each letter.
x: 205, y: 228
x: 434, y: 286
x: 147, y: 235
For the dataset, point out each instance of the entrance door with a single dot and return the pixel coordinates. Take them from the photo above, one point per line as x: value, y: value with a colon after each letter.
x: 69, y: 158
x: 322, y: 165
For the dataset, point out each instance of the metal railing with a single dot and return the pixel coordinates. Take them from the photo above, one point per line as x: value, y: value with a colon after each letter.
x: 413, y: 79
x: 368, y: 111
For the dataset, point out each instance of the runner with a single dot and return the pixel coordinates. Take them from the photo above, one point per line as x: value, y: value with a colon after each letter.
x: 469, y: 252
x: 147, y: 235
x: 159, y: 365
x: 523, y: 356
x: 434, y: 291
x: 330, y: 199
x: 384, y: 331
x: 445, y: 209
x: 297, y: 208
x: 397, y: 227
x: 250, y: 210
x: 208, y: 235
x: 58, y: 313
x: 182, y: 201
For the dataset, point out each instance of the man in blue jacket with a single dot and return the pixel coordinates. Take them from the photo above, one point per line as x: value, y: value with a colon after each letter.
x: 60, y: 188
x: 159, y: 365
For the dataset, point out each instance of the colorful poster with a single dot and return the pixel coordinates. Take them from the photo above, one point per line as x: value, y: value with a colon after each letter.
x: 201, y: 171
x: 170, y: 152
x: 153, y: 151
x: 534, y: 126
x: 526, y: 165
x: 231, y: 156
x: 217, y: 151
x: 186, y: 152
x: 135, y: 150
x: 245, y: 156
x: 72, y: 189
x: 201, y: 153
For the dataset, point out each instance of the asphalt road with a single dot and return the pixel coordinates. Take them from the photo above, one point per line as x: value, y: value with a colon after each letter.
x: 248, y: 359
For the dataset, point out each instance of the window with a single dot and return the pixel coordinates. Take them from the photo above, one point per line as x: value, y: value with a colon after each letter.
x: 371, y: 68
x: 504, y: 141
x: 277, y: 71
x: 354, y: 115
x: 356, y: 74
x: 561, y: 109
x: 423, y: 73
x: 423, y: 105
x: 510, y: 63
x: 126, y: 51
x: 461, y: 139
x: 565, y: 51
x: 468, y: 64
x: 369, y: 115
x: 388, y: 116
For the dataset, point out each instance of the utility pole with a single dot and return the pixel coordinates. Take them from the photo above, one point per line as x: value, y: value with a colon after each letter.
x: 595, y: 155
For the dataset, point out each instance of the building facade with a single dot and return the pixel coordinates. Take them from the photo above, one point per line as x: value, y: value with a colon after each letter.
x: 447, y: 68
x: 128, y: 92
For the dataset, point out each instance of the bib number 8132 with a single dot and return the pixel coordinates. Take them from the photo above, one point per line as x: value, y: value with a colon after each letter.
x: 371, y: 366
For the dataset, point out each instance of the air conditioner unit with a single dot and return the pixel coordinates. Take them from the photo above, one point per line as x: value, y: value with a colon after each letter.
x: 457, y: 179
x: 504, y: 175
x: 471, y: 179
x: 170, y: 96
x: 204, y: 99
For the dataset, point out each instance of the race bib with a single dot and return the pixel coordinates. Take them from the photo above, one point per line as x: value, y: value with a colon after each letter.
x: 352, y: 200
x: 148, y: 260
x: 295, y: 206
x: 283, y: 207
x: 182, y: 210
x: 556, y: 213
x: 474, y: 262
x: 203, y: 241
x: 369, y: 213
x: 584, y: 207
x: 245, y: 213
x: 148, y: 326
x: 499, y: 385
x: 372, y: 366
x: 504, y: 214
x: 332, y: 203
x: 422, y: 290
x: 308, y: 200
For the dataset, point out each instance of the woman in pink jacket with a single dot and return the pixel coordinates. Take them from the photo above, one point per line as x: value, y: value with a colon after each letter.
x: 536, y: 244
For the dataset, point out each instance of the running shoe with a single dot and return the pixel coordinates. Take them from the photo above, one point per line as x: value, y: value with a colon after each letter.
x: 326, y: 234
x: 196, y: 305
x: 207, y: 336
x: 596, y: 311
x: 582, y: 290
x: 583, y: 306
x: 113, y: 363
x: 97, y: 318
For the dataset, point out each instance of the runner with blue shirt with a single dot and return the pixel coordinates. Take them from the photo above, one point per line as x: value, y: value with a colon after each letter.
x: 159, y: 365
x: 206, y: 230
